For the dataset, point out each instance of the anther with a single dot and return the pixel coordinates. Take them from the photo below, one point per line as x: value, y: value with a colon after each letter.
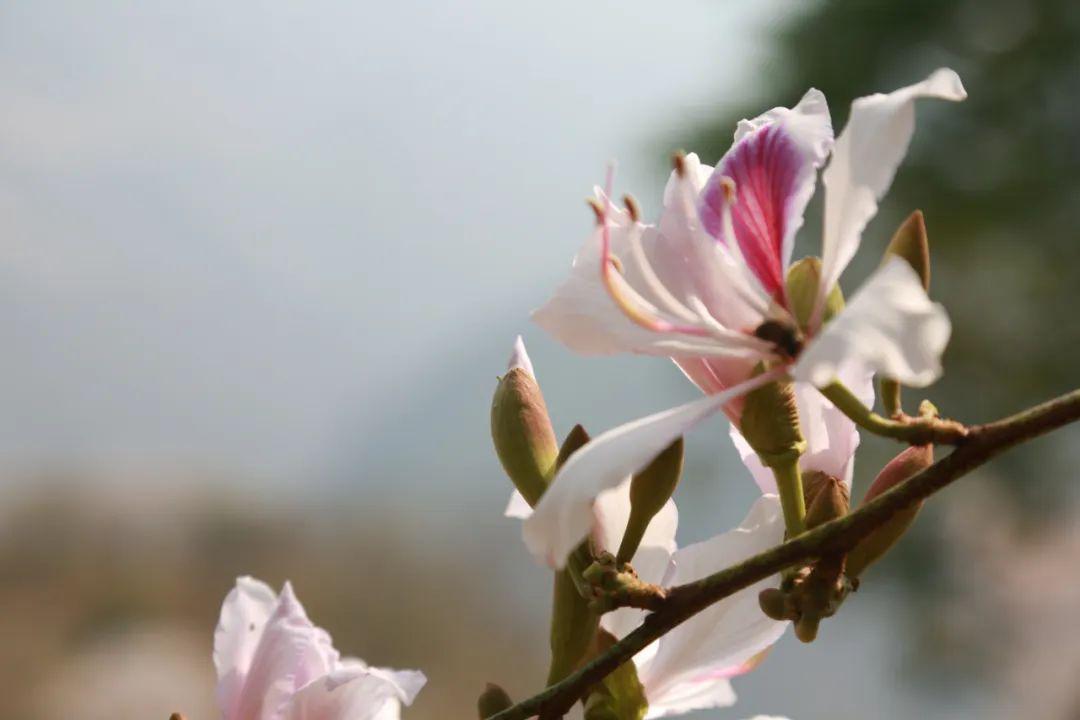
x: 597, y: 208
x: 678, y: 161
x: 727, y: 185
x: 632, y: 207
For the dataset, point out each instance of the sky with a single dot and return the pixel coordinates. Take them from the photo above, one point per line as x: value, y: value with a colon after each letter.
x: 243, y: 235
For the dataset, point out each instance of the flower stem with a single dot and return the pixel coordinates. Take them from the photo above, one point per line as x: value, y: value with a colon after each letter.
x: 913, y: 430
x: 789, y: 485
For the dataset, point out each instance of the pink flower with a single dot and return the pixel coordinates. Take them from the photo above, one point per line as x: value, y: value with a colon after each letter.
x: 274, y: 664
x: 705, y: 286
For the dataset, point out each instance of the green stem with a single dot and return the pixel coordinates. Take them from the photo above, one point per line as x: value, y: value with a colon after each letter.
x: 789, y: 485
x: 912, y: 430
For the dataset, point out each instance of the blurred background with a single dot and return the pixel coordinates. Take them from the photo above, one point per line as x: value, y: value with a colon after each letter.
x: 262, y: 262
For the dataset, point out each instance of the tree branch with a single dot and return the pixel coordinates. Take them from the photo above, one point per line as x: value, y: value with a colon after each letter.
x: 921, y: 430
x: 978, y: 444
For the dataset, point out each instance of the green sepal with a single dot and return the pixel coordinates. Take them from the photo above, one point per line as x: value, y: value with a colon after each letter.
x: 619, y: 696
x: 650, y: 490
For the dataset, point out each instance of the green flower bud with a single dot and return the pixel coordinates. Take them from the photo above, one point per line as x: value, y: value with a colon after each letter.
x: 521, y: 429
x: 907, y: 464
x: 492, y: 701
x: 909, y: 242
x: 774, y: 603
x: 803, y: 279
x: 650, y: 489
x: 620, y: 695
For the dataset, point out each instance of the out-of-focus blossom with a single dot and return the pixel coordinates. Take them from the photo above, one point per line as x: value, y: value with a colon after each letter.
x: 706, y: 285
x: 273, y: 663
x: 691, y: 667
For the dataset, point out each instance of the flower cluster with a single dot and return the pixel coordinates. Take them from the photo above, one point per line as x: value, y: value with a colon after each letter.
x: 772, y: 344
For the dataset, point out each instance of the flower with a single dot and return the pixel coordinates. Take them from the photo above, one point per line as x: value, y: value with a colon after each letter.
x: 691, y: 667
x: 274, y: 664
x: 706, y: 285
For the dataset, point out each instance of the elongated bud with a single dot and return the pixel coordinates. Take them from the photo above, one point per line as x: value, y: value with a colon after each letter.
x: 830, y: 500
x: 650, y: 489
x: 520, y: 427
x: 911, y: 243
x: 492, y: 701
x: 907, y: 464
x: 803, y: 279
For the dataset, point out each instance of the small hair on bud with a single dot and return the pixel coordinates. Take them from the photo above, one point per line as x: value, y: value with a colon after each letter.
x: 519, y: 358
x: 598, y: 209
x: 678, y: 162
x: 632, y: 207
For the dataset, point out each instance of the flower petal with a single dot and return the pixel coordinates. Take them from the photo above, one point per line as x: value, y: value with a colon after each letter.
x: 717, y: 642
x: 291, y: 653
x: 564, y: 516
x: 244, y: 613
x: 518, y: 507
x: 693, y: 695
x: 889, y: 327
x: 356, y: 692
x: 864, y: 161
x: 774, y: 164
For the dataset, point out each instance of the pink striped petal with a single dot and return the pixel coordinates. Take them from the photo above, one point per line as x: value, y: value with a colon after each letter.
x: 773, y: 164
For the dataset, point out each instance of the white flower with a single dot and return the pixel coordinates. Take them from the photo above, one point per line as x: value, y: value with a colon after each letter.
x: 274, y: 664
x: 706, y: 285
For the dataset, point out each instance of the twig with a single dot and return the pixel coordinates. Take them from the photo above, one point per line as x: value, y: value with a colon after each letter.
x: 980, y: 444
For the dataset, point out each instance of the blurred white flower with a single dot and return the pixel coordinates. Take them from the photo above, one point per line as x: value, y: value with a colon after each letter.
x: 273, y: 663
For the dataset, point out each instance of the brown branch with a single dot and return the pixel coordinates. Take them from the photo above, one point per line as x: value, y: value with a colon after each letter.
x: 979, y: 444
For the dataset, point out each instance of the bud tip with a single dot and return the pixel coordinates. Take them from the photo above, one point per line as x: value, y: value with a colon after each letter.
x: 519, y: 358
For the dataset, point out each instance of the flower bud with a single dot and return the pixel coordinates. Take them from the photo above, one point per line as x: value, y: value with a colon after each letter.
x: 492, y: 701
x: 803, y: 279
x: 907, y: 464
x: 521, y: 429
x: 650, y: 489
x: 829, y: 500
x: 911, y: 243
x: 774, y: 603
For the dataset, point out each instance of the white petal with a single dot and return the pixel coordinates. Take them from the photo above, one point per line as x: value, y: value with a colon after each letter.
x: 518, y: 507
x: 864, y: 161
x: 519, y: 358
x: 244, y: 613
x: 564, y: 516
x: 889, y: 327
x: 356, y: 692
x: 693, y: 695
x: 716, y: 642
x: 291, y: 653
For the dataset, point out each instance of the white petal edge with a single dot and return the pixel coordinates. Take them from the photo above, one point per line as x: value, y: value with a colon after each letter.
x: 730, y: 632
x: 564, y: 515
x: 243, y: 618
x: 890, y: 327
x: 864, y: 162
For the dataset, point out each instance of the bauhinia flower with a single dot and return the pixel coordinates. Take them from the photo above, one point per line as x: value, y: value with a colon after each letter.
x: 707, y: 286
x: 273, y: 663
x: 691, y: 667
